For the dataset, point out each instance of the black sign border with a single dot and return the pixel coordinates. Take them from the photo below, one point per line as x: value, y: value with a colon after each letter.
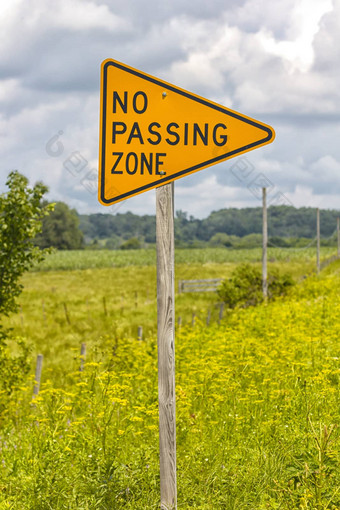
x: 201, y: 100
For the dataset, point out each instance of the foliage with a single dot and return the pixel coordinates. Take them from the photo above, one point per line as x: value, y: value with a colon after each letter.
x: 279, y: 283
x: 131, y: 244
x: 123, y: 226
x: 257, y: 402
x: 124, y: 289
x: 21, y: 213
x: 244, y: 287
x: 14, y: 368
x: 222, y: 239
x: 112, y: 243
x: 60, y: 229
x: 249, y: 241
x: 286, y: 226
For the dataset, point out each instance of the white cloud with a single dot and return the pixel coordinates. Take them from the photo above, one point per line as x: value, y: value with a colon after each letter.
x: 275, y: 61
x: 83, y: 15
x: 210, y: 195
x: 298, y: 52
x: 70, y: 14
x: 304, y: 196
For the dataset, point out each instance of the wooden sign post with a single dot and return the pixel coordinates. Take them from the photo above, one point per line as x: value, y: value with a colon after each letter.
x: 264, y: 245
x: 152, y: 133
x: 166, y: 344
x: 318, y: 241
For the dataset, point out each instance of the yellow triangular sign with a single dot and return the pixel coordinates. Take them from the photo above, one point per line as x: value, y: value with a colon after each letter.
x: 152, y: 132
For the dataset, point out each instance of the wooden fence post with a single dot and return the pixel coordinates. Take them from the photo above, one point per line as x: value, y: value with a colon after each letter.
x: 193, y: 320
x: 21, y: 317
x: 220, y: 315
x: 318, y: 240
x: 264, y: 244
x: 140, y: 333
x: 166, y: 344
x: 104, y: 305
x: 82, y: 356
x: 37, y: 379
x: 208, y: 317
x: 66, y: 314
x: 43, y: 311
x: 88, y: 310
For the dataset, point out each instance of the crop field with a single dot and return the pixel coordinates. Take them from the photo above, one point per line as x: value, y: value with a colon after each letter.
x: 257, y: 393
x: 91, y: 259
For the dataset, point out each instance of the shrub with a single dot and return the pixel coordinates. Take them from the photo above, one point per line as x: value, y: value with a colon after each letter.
x: 244, y: 288
x: 131, y: 244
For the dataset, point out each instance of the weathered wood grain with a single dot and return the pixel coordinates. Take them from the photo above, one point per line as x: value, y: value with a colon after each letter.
x: 140, y: 333
x: 66, y: 314
x: 318, y: 241
x: 264, y: 244
x: 208, y: 317
x: 193, y: 320
x: 209, y: 285
x: 220, y: 314
x: 166, y: 345
x: 37, y: 379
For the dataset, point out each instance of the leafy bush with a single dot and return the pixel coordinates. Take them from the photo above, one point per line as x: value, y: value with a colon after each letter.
x: 131, y: 244
x: 221, y: 239
x: 244, y: 288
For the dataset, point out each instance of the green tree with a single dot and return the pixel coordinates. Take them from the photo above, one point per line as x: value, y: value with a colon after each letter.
x: 21, y: 214
x: 60, y: 229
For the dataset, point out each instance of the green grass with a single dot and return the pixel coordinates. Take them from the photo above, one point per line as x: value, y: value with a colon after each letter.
x: 129, y: 293
x: 87, y: 259
x: 258, y: 397
x: 130, y: 301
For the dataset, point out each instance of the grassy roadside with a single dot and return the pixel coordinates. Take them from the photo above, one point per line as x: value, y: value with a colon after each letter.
x: 257, y: 411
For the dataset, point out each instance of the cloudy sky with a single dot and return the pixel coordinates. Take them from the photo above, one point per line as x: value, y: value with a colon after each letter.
x: 278, y: 62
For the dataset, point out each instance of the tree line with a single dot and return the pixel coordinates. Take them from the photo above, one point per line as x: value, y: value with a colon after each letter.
x: 65, y: 229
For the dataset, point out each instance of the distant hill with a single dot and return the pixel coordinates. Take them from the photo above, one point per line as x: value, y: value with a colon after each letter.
x: 226, y: 226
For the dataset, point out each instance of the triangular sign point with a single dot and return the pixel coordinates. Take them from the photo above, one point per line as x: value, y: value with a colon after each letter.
x: 152, y: 132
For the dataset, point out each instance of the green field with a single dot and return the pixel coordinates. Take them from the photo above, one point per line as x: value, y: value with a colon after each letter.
x: 81, y: 280
x: 91, y: 259
x: 258, y: 398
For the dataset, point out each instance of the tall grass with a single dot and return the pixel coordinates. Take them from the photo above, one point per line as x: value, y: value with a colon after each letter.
x: 257, y: 406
